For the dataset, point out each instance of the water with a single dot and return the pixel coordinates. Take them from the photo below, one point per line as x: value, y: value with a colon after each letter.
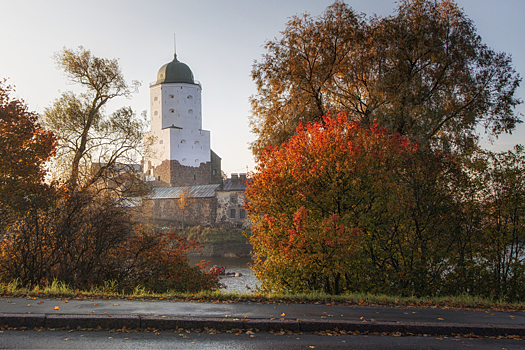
x: 243, y: 284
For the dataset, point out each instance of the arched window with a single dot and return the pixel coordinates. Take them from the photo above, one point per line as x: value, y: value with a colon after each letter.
x: 155, y: 113
x: 155, y: 98
x: 183, y: 159
x: 197, y: 142
x: 172, y: 110
x: 190, y: 97
x: 190, y: 111
x: 182, y: 141
x: 196, y: 160
x: 171, y: 96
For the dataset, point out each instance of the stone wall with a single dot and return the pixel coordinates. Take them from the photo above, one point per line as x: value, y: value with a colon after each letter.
x: 226, y: 250
x: 230, y: 210
x: 170, y: 173
x: 166, y: 212
x: 216, y: 176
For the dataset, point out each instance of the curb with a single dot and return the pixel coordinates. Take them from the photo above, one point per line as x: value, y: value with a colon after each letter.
x: 264, y: 325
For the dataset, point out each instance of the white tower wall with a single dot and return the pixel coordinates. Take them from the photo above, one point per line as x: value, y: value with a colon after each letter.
x: 176, y: 124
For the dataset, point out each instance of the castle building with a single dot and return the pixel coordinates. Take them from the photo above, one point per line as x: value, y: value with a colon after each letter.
x: 178, y: 149
x: 178, y: 159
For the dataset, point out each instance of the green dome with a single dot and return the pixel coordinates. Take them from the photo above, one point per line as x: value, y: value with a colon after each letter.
x: 175, y: 72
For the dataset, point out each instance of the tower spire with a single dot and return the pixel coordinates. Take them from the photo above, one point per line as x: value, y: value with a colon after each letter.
x: 175, y: 47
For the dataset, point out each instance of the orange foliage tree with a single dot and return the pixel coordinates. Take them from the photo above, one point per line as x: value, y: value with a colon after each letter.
x: 341, y: 207
x: 24, y: 148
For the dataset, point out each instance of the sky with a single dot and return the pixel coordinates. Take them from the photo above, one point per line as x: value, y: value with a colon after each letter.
x: 218, y: 40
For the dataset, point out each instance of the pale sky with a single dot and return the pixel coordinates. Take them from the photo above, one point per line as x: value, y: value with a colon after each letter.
x: 218, y: 40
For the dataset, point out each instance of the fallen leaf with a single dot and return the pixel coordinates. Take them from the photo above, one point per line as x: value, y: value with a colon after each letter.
x: 65, y: 301
x: 283, y: 314
x: 28, y: 305
x: 441, y: 319
x: 56, y: 307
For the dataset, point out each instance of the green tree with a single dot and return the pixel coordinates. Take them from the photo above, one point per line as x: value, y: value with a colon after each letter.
x: 422, y: 72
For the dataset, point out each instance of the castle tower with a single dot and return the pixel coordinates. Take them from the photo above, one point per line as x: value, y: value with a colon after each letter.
x: 178, y: 150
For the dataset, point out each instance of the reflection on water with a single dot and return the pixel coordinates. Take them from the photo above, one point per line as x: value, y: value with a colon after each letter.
x: 233, y: 284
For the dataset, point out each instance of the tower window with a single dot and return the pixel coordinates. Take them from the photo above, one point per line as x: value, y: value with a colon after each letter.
x: 196, y: 160
x: 190, y: 111
x: 161, y: 142
x: 190, y: 97
x: 194, y: 177
x: 214, y: 172
x: 232, y: 213
x: 155, y: 98
x: 171, y: 96
x: 155, y: 113
x: 183, y: 159
x: 172, y: 110
x: 182, y: 141
x: 196, y: 142
x: 158, y: 178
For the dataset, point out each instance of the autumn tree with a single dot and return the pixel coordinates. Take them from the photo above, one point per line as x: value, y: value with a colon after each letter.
x: 497, y: 260
x: 24, y: 149
x: 342, y: 207
x: 184, y: 202
x: 423, y: 72
x: 94, y: 146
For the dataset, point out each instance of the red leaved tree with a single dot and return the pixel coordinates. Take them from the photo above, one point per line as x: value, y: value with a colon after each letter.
x: 24, y: 148
x: 341, y: 207
x: 308, y: 199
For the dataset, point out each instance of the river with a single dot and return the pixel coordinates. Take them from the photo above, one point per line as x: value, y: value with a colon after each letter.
x: 244, y: 284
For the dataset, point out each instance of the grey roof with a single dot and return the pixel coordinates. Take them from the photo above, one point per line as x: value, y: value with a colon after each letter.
x: 202, y: 191
x: 233, y: 185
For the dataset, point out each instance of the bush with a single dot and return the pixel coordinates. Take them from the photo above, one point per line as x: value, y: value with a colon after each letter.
x: 158, y: 261
x: 85, y: 239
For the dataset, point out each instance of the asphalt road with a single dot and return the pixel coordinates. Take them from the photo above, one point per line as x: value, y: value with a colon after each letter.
x: 174, y: 340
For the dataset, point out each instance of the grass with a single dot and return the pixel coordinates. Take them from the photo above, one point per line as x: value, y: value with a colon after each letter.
x: 109, y: 290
